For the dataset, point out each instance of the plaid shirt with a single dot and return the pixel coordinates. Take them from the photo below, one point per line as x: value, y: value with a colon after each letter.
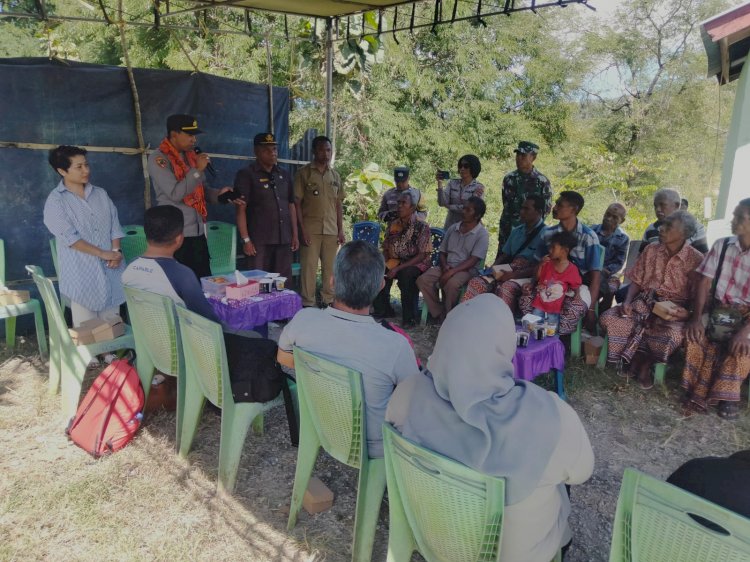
x: 587, y: 253
x: 733, y: 286
x: 615, y: 249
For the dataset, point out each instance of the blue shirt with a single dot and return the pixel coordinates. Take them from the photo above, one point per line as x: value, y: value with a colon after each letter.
x: 85, y: 279
x: 516, y: 239
x: 615, y: 248
x: 168, y: 277
x: 587, y: 255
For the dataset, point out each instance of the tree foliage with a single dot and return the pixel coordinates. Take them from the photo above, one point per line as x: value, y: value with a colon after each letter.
x: 620, y: 108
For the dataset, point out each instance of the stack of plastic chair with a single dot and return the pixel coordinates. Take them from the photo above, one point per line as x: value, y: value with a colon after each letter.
x: 207, y: 378
x: 332, y: 415
x: 134, y: 243
x: 439, y: 507
x: 68, y: 362
x: 222, y: 246
x: 11, y: 311
x: 575, y: 337
x: 157, y: 344
x: 658, y: 521
x: 368, y: 231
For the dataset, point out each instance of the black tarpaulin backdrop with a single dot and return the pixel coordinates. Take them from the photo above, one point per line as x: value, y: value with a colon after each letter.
x: 65, y: 102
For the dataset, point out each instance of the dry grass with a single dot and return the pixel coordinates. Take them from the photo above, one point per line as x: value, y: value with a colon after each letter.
x: 144, y: 503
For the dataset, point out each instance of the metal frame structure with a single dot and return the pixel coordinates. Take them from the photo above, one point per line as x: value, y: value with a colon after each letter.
x: 330, y: 11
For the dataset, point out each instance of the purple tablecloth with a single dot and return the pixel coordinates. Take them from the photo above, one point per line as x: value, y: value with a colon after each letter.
x: 539, y: 358
x: 257, y: 311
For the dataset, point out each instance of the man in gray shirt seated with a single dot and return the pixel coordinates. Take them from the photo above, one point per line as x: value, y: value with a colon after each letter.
x: 346, y: 334
x: 463, y: 247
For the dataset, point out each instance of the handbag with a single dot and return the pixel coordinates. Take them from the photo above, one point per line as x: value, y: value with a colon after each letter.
x: 724, y: 321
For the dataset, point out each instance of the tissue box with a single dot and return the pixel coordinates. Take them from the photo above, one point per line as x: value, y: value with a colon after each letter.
x: 530, y: 321
x: 13, y: 297
x: 216, y: 285
x: 665, y: 309
x: 239, y: 292
x: 109, y: 330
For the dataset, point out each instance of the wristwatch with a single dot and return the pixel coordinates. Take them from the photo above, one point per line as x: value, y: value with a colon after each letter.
x: 117, y: 250
x: 245, y: 240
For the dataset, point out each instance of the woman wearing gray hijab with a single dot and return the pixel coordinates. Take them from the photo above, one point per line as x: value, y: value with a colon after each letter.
x: 467, y: 406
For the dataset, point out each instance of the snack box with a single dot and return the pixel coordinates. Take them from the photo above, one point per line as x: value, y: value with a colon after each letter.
x: 216, y: 285
x: 240, y: 292
x: 97, y: 330
x: 109, y: 330
x: 665, y: 309
x: 8, y: 297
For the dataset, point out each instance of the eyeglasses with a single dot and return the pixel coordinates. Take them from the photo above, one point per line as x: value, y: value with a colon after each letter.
x: 463, y: 165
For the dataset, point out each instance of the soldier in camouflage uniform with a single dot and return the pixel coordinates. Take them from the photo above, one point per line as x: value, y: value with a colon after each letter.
x: 519, y: 184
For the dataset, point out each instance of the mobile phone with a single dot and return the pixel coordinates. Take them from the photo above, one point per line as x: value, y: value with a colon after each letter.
x: 228, y: 196
x: 444, y: 174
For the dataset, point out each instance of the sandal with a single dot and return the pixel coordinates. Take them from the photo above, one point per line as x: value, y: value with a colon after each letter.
x: 729, y: 410
x: 689, y: 408
x: 647, y: 383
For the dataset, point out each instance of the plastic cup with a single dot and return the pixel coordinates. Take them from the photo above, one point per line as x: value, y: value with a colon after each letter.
x: 265, y: 285
x: 279, y: 282
x: 551, y: 329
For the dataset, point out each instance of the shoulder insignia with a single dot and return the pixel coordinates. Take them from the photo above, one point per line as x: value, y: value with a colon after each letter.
x: 161, y: 161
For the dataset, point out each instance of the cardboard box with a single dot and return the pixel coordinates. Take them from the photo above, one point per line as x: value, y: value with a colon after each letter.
x: 109, y: 330
x: 8, y: 297
x: 83, y: 334
x: 592, y: 347
x: 666, y: 309
x: 239, y: 292
x: 317, y: 497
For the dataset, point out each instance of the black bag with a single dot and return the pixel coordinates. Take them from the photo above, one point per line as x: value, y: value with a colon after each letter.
x: 724, y: 321
x: 254, y: 373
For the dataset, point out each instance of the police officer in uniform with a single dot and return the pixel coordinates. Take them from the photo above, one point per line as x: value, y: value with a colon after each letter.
x: 179, y: 179
x: 389, y: 203
x: 268, y: 225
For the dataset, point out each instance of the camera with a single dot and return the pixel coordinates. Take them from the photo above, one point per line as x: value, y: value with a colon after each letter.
x: 444, y: 174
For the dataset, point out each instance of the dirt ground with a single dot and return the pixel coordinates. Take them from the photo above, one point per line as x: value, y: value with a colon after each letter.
x: 144, y: 503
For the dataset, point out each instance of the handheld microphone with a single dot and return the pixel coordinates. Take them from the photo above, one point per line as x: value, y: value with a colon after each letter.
x: 210, y: 168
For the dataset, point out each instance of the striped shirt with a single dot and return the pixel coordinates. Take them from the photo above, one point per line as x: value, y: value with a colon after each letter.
x: 587, y: 253
x: 733, y: 286
x: 85, y: 279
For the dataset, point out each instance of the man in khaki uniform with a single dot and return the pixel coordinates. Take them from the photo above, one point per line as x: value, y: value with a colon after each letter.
x: 318, y: 194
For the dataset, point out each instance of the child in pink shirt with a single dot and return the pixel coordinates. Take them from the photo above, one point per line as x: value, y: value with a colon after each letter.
x: 555, y: 277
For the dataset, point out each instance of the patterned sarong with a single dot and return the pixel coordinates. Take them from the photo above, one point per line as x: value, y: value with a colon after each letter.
x: 711, y: 373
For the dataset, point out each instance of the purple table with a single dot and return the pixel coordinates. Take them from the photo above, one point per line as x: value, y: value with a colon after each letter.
x: 256, y: 312
x: 541, y: 356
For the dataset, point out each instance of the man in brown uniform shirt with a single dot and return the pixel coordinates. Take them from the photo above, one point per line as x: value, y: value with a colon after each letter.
x: 268, y: 227
x: 318, y: 193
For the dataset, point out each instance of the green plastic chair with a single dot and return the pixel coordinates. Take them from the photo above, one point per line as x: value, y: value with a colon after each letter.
x: 53, y: 248
x: 222, y: 246
x: 425, y: 312
x: 68, y: 362
x: 657, y: 521
x: 11, y: 311
x: 134, y: 243
x: 575, y: 337
x: 332, y: 415
x: 207, y: 378
x: 439, y: 507
x: 157, y: 343
x: 659, y: 368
